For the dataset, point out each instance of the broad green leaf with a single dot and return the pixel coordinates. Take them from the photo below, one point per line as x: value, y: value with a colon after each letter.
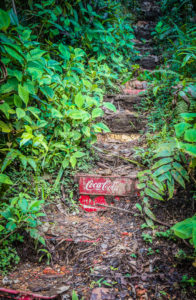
x: 180, y: 128
x: 79, y: 100
x: 65, y: 163
x: 35, y: 111
x: 161, y: 162
x: 4, y: 179
x: 190, y: 135
x: 20, y: 113
x: 26, y: 136
x: 56, y: 113
x: 23, y: 93
x: 23, y: 205
x: 97, y: 112
x: 5, y: 127
x: 165, y: 176
x: 188, y: 116
x: 176, y: 175
x: 79, y: 154
x: 110, y: 106
x: 4, y: 20
x: 162, y: 169
x: 189, y: 148
x: 5, y: 108
x: 183, y: 229
x: 10, y: 157
x: 47, y: 91
x: 194, y: 233
x: 79, y: 115
x: 86, y: 131
x: 11, y: 226
x: 73, y: 161
x: 1, y: 228
x: 32, y: 163
x: 15, y: 52
x: 98, y: 127
x: 17, y: 101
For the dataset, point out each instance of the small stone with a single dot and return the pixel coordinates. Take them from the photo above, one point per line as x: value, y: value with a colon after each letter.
x: 6, y: 281
x: 63, y: 289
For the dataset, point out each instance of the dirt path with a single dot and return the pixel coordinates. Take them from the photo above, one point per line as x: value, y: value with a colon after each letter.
x: 104, y: 255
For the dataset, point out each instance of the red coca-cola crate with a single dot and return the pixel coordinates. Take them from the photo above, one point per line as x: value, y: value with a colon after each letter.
x: 100, y: 186
x: 107, y: 185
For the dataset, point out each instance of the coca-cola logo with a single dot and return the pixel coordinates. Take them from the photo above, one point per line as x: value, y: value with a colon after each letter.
x: 98, y: 186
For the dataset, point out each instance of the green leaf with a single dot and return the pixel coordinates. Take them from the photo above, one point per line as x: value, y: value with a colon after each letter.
x: 178, y: 178
x: 32, y: 163
x: 110, y: 106
x: 79, y: 115
x: 23, y: 93
x: 141, y: 186
x: 73, y: 161
x: 4, y: 20
x: 149, y: 213
x: 20, y: 113
x: 188, y: 116
x: 15, y: 52
x: 56, y: 114
x: 4, y: 179
x: 17, y: 101
x: 79, y: 154
x: 79, y: 100
x: 190, y: 135
x: 35, y: 111
x: 161, y: 162
x: 162, y: 169
x: 97, y: 112
x: 26, y: 136
x: 23, y: 204
x: 5, y: 127
x: 163, y: 153
x: 101, y: 126
x: 86, y: 131
x: 48, y: 92
x: 139, y: 207
x: 181, y: 170
x: 180, y: 128
x: 170, y: 185
x: 153, y: 194
x: 189, y: 148
x: 183, y: 229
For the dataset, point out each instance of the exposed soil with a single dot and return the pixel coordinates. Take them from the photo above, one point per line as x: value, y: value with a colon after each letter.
x: 103, y: 255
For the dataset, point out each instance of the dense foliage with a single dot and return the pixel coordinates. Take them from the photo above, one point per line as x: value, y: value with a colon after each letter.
x: 56, y: 62
x: 172, y: 119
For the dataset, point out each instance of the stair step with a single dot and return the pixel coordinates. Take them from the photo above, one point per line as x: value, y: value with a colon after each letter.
x: 149, y: 62
x: 125, y: 122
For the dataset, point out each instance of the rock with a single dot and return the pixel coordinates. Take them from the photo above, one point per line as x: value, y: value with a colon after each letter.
x: 63, y: 289
x: 102, y: 294
x: 6, y: 281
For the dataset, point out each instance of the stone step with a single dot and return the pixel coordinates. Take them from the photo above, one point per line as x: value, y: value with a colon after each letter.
x: 149, y: 62
x: 128, y: 100
x: 125, y: 121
